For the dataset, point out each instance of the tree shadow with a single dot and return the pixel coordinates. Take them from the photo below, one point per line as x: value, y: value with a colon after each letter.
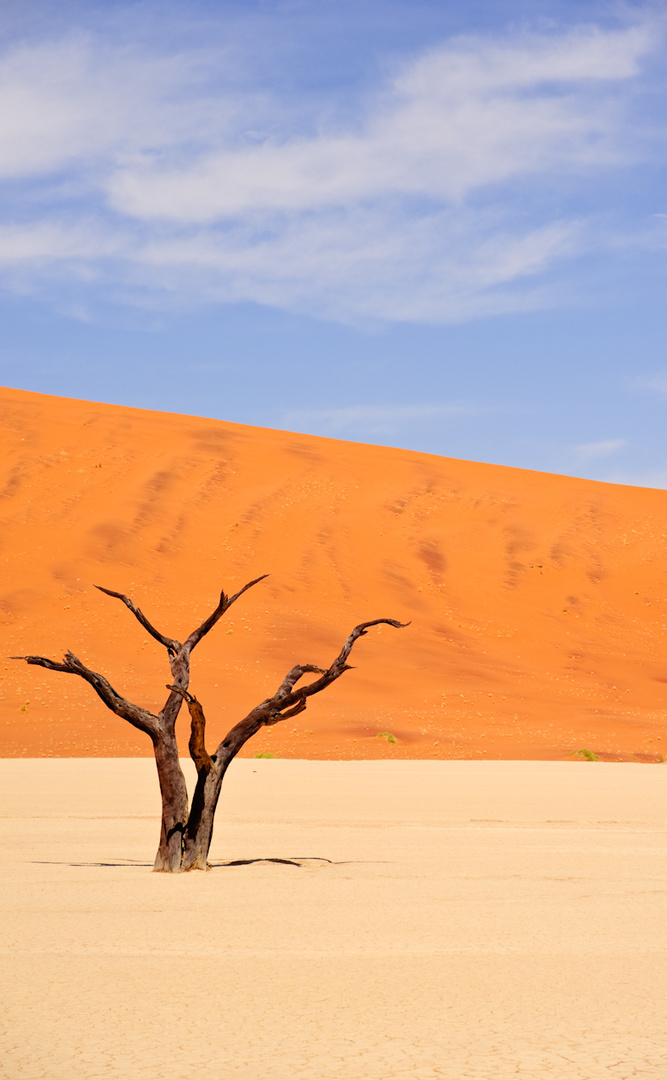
x: 122, y: 863
x: 295, y: 860
x: 300, y: 861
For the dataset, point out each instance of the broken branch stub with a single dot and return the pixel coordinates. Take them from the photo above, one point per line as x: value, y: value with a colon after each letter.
x: 197, y: 742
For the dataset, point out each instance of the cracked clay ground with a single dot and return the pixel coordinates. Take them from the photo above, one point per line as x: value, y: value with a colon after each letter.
x: 448, y: 920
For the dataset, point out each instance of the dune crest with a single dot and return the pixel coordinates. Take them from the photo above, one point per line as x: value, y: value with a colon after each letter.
x: 538, y: 603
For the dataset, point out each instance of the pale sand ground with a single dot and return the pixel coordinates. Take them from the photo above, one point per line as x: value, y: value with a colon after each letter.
x: 476, y: 920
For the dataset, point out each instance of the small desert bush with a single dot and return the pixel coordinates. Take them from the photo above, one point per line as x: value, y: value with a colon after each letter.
x: 587, y: 754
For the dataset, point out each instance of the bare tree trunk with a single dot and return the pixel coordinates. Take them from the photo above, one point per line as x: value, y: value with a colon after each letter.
x: 199, y: 830
x: 174, y: 805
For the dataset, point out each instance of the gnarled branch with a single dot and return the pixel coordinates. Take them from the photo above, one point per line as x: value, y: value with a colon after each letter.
x: 171, y: 645
x: 139, y: 718
x: 333, y: 672
x: 294, y: 711
x: 293, y: 676
x: 288, y: 701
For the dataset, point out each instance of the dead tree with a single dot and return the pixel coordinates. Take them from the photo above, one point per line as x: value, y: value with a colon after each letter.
x: 186, y: 831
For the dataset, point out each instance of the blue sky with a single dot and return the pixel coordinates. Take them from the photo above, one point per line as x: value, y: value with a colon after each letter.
x: 431, y: 225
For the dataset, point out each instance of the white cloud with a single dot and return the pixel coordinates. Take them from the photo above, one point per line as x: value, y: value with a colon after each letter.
x: 353, y: 266
x: 150, y: 175
x: 463, y: 117
x: 76, y: 101
x: 361, y: 262
x: 48, y: 242
x: 601, y: 449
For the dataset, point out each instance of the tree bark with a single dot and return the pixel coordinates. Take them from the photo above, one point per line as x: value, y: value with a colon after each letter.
x: 199, y: 830
x: 174, y: 804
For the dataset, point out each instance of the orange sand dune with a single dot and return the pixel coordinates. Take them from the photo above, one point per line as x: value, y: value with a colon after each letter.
x: 537, y: 603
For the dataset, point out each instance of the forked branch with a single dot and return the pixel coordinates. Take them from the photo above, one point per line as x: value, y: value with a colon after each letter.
x: 288, y: 701
x: 286, y: 691
x: 215, y: 616
x: 171, y: 645
x: 293, y: 676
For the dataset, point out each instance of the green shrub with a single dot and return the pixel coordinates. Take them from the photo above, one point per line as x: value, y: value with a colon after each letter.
x: 587, y: 754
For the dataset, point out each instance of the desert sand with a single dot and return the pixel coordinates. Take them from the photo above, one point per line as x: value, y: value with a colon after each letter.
x: 538, y: 603
x: 432, y: 920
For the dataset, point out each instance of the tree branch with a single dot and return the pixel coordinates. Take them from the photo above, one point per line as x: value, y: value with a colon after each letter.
x: 332, y: 673
x: 139, y: 718
x: 197, y: 743
x: 287, y: 701
x: 224, y: 604
x: 360, y: 631
x: 294, y: 711
x: 293, y: 676
x: 171, y: 645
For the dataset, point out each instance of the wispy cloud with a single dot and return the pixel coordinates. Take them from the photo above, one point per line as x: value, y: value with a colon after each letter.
x: 461, y: 118
x: 156, y: 177
x: 602, y: 449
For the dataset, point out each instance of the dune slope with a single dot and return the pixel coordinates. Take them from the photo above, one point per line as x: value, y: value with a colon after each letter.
x: 537, y: 602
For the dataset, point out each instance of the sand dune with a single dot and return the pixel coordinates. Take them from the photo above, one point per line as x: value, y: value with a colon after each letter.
x: 538, y: 603
x: 436, y: 920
